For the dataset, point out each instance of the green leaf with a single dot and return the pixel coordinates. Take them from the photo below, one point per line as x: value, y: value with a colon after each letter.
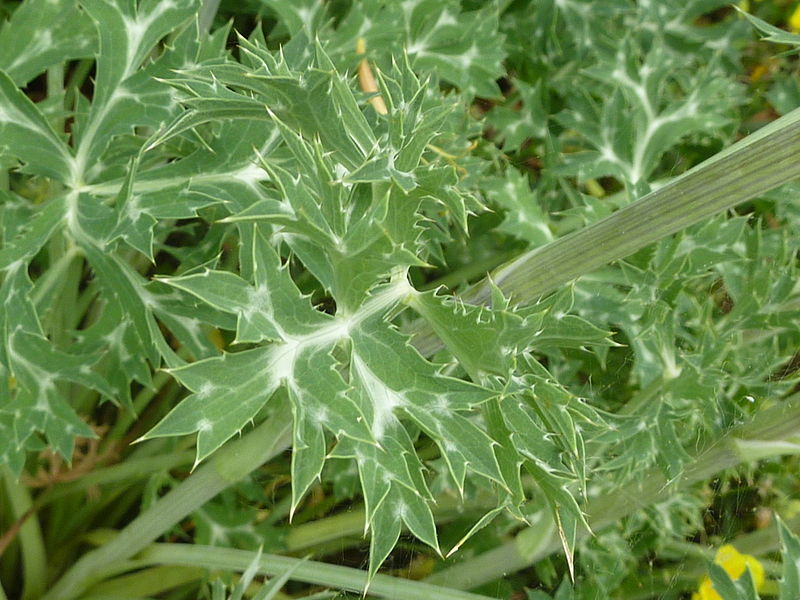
x: 483, y: 340
x: 517, y: 124
x: 742, y: 588
x: 272, y: 308
x: 30, y: 239
x: 230, y: 293
x: 427, y: 398
x: 124, y: 96
x: 773, y: 34
x: 113, y: 336
x: 273, y: 588
x: 320, y: 401
x: 524, y: 217
x: 127, y: 288
x: 790, y: 579
x: 386, y: 531
x: 28, y: 137
x: 228, y: 393
x: 39, y: 404
x: 41, y: 34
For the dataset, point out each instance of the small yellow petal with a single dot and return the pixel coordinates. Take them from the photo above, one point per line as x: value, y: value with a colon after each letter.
x: 706, y: 591
x: 735, y: 563
x: 794, y: 20
x: 757, y: 570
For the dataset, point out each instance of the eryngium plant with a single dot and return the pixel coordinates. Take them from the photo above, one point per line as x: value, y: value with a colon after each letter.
x: 258, y: 224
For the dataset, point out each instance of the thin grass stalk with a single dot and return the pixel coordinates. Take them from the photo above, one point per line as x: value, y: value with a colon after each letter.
x: 342, y: 578
x: 746, y: 170
x: 230, y: 464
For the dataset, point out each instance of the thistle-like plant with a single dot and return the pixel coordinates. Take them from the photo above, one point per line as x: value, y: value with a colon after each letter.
x: 259, y: 227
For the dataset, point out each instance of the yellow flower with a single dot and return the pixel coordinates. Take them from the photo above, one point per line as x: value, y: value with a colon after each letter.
x: 734, y: 563
x: 794, y: 20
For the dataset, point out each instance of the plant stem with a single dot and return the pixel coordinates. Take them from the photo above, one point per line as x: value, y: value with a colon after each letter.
x: 749, y: 168
x: 131, y: 469
x: 752, y: 166
x: 146, y: 583
x: 351, y: 523
x: 34, y: 559
x: 84, y: 304
x: 776, y: 423
x: 230, y: 464
x: 469, y: 271
x: 140, y: 402
x: 344, y: 578
x: 320, y: 531
x: 55, y: 87
x: 51, y: 279
x: 76, y: 80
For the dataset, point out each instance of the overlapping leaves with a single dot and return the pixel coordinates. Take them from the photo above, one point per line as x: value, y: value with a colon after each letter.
x: 345, y: 190
x: 347, y: 197
x: 641, y: 94
x: 281, y: 155
x: 463, y: 47
x: 77, y: 223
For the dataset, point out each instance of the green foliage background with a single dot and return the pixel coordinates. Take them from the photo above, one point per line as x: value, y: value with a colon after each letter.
x: 210, y: 233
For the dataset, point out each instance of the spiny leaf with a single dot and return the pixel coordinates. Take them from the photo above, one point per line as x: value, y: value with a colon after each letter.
x: 27, y: 136
x: 790, y: 580
x: 43, y: 33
